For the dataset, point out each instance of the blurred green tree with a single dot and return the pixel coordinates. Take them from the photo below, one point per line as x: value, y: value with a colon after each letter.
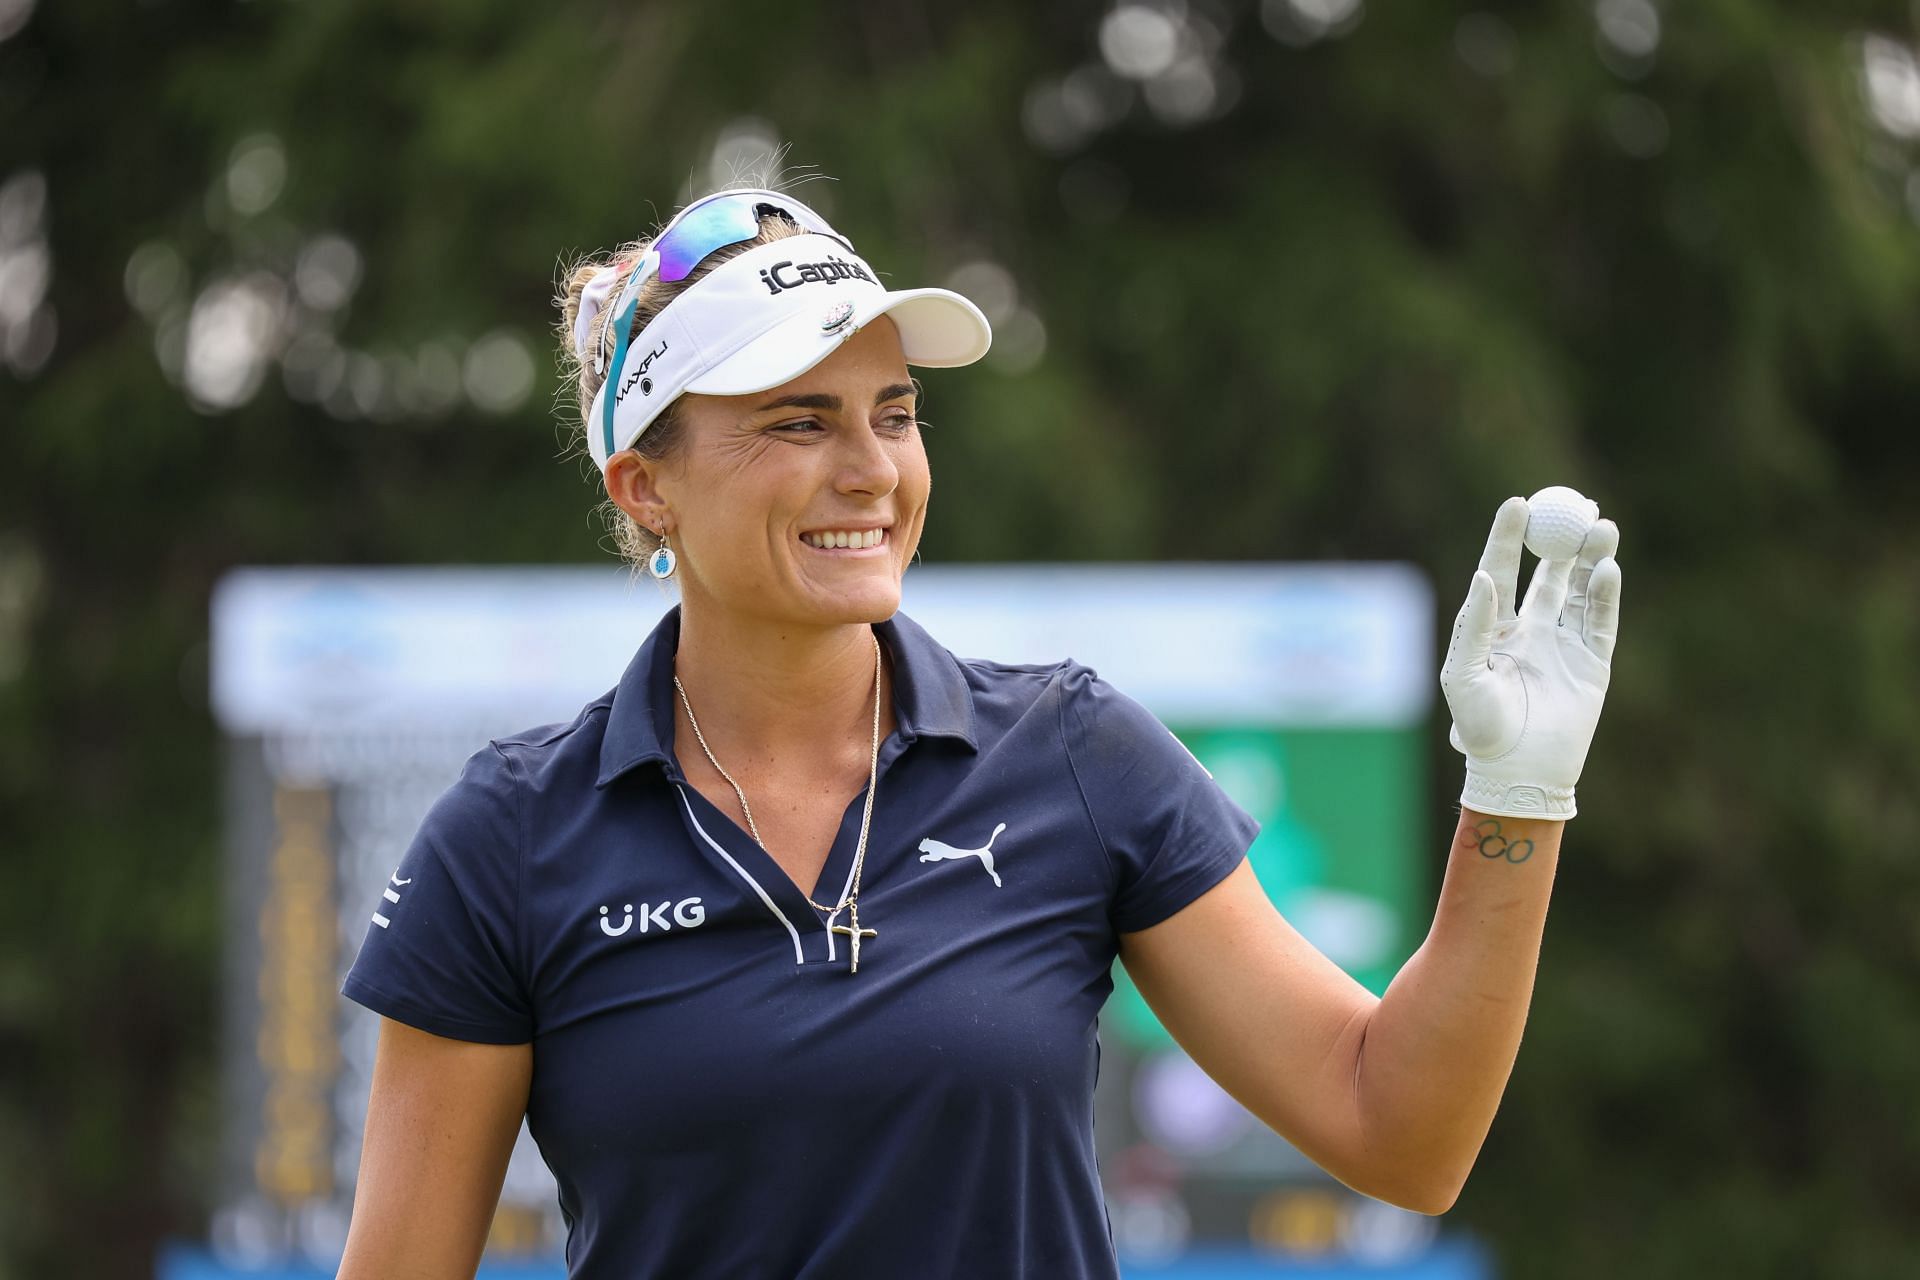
x: 1293, y: 279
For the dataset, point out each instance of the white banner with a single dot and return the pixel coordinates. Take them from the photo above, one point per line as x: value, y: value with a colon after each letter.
x: 320, y: 650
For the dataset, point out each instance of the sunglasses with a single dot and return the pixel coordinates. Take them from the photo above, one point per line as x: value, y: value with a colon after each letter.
x: 706, y: 225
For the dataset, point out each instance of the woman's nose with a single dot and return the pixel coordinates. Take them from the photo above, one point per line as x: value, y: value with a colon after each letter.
x: 866, y: 466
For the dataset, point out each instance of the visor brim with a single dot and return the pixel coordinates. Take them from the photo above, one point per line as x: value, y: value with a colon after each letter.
x: 939, y: 329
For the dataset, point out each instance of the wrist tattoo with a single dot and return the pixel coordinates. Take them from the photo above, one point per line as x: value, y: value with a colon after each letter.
x: 1487, y: 837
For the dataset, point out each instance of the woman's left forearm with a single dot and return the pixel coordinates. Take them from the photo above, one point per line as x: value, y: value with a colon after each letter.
x: 1441, y: 1043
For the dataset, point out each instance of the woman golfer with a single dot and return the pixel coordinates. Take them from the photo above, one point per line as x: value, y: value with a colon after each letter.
x: 790, y: 947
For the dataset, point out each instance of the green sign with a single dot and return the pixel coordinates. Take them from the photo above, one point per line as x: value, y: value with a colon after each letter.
x: 1337, y: 851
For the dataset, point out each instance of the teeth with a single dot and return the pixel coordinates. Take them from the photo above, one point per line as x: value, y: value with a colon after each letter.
x: 856, y: 540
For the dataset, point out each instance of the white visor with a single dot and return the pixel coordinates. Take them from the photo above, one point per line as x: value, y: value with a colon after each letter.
x: 764, y: 318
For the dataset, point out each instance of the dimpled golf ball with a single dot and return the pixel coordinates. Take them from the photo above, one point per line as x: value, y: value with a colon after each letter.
x: 1557, y: 522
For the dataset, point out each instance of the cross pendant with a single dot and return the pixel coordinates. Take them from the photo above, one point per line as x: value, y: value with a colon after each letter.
x: 854, y: 933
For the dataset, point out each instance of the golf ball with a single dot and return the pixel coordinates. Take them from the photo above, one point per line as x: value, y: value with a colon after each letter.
x: 1557, y: 522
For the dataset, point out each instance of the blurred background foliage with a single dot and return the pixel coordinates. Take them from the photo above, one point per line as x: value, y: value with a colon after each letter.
x: 1272, y: 279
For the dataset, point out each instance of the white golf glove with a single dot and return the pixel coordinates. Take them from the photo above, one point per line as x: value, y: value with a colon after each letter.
x: 1525, y: 689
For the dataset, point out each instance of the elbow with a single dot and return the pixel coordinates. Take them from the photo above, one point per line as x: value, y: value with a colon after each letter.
x: 1435, y: 1200
x: 1418, y: 1191
x: 1425, y: 1178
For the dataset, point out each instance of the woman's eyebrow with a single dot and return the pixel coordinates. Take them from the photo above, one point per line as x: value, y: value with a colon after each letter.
x: 832, y: 403
x: 816, y: 400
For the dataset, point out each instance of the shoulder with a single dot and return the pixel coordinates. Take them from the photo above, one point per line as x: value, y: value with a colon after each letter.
x: 1097, y: 720
x: 547, y: 757
x: 1013, y: 681
x: 1100, y: 720
x: 487, y: 803
x: 1124, y: 756
x: 1007, y: 696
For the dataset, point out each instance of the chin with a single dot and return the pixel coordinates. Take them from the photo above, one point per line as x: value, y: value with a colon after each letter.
x: 875, y: 602
x: 872, y: 607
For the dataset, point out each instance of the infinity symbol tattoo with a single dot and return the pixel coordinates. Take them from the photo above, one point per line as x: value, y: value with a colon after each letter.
x: 1494, y: 845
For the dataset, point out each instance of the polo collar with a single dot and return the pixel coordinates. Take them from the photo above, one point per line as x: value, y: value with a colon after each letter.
x: 931, y: 696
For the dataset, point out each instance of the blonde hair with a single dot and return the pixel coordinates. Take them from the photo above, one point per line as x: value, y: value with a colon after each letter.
x: 632, y: 540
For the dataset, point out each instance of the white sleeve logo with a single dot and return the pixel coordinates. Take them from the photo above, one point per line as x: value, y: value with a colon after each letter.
x: 390, y: 895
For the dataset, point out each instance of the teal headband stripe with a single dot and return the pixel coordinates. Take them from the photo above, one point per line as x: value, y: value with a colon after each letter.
x: 610, y: 398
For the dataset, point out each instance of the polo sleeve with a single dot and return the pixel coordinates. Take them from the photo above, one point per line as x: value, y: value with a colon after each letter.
x: 1169, y: 831
x: 441, y: 951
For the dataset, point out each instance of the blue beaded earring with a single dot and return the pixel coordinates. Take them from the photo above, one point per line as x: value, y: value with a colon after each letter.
x: 660, y: 564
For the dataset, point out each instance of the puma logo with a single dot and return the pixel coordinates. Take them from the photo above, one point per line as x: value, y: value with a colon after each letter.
x: 932, y: 850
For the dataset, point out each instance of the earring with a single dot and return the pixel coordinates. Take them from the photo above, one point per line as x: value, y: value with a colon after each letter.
x: 660, y: 564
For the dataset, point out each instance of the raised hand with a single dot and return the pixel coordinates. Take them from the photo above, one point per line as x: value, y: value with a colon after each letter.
x: 1525, y: 686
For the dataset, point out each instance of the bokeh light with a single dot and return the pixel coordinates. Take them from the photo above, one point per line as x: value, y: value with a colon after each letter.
x: 498, y: 374
x: 28, y: 327
x: 232, y: 332
x: 1139, y: 41
x: 327, y: 273
x: 13, y: 16
x: 256, y: 174
x: 1890, y: 75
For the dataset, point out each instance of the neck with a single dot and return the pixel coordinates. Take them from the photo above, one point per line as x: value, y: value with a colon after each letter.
x: 766, y: 692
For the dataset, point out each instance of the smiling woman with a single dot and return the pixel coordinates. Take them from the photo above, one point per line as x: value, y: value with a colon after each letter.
x: 631, y: 339
x: 807, y: 505
x: 791, y: 947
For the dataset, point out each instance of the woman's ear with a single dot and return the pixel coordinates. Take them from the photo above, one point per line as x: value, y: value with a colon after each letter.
x: 633, y: 484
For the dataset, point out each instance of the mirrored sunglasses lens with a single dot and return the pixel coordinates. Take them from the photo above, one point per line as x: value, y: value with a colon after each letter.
x: 703, y: 230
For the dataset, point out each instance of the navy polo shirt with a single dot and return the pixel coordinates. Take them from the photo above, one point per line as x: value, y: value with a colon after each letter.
x: 717, y: 1095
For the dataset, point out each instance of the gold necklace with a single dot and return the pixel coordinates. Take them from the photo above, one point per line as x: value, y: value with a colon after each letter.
x: 850, y: 903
